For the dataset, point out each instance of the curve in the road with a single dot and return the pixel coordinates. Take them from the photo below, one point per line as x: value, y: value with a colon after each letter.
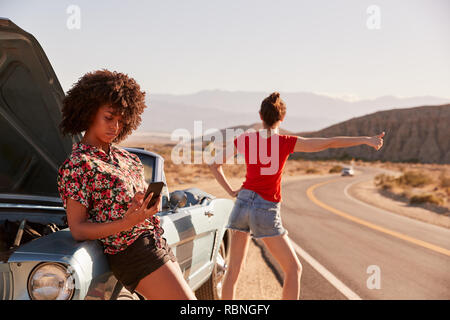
x: 430, y: 246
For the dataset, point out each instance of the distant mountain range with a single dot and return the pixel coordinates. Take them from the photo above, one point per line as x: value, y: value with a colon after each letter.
x: 413, y: 134
x: 420, y: 134
x: 222, y: 109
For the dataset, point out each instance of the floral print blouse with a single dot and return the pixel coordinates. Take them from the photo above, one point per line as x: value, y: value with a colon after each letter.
x: 105, y: 184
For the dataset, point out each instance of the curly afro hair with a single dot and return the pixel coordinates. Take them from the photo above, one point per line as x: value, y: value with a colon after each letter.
x: 95, y: 89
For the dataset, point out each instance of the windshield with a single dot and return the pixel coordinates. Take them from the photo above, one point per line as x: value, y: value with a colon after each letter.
x: 149, y: 166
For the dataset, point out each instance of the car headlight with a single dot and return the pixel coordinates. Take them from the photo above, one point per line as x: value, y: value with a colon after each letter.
x: 51, y: 281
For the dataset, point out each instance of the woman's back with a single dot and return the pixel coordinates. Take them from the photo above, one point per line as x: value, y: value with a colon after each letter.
x: 265, y: 159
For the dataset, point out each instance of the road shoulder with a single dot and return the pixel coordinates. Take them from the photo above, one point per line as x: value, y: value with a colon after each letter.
x: 366, y: 191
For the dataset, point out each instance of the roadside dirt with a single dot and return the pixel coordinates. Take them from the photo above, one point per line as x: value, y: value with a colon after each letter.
x: 367, y: 192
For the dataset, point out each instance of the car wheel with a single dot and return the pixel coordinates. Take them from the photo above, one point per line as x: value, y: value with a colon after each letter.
x: 212, y: 288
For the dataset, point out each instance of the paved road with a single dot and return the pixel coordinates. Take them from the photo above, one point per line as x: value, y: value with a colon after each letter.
x: 339, y: 238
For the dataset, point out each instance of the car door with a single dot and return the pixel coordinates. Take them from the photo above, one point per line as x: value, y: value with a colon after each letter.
x: 202, y: 235
x: 188, y: 230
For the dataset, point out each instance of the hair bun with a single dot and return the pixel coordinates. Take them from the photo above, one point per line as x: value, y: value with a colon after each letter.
x: 274, y: 96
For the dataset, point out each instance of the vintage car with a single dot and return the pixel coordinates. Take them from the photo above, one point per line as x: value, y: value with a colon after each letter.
x: 39, y: 259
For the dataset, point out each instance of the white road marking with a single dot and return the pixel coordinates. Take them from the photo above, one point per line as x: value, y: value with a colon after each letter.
x: 338, y: 284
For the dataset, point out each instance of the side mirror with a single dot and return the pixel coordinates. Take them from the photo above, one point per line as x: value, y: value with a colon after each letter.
x: 178, y: 199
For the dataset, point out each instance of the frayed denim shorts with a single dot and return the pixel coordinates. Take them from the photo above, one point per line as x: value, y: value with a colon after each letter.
x: 254, y: 214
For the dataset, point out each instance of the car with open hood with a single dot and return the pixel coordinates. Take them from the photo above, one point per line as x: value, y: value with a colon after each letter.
x: 39, y: 259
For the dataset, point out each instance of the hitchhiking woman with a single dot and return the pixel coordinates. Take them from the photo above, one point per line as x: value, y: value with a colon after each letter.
x: 102, y: 186
x: 256, y: 211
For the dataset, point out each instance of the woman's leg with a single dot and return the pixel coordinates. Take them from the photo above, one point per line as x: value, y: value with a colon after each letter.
x: 238, y: 251
x: 280, y: 247
x: 165, y: 283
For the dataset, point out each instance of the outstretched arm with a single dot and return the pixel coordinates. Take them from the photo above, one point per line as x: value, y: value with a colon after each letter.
x: 319, y: 144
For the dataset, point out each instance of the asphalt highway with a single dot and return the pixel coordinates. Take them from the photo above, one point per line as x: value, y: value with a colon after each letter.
x: 351, y: 250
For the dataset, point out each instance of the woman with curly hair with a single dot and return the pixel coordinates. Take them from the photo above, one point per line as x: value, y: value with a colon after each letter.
x: 102, y: 186
x: 258, y: 204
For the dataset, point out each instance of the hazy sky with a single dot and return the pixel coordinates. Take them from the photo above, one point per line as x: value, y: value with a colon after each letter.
x: 188, y: 46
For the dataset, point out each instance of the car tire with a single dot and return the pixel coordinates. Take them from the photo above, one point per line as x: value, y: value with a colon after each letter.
x: 212, y: 288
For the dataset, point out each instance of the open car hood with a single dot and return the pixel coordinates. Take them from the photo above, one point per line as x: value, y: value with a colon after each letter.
x: 31, y: 147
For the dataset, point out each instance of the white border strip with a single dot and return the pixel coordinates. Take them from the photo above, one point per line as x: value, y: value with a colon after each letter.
x: 338, y: 284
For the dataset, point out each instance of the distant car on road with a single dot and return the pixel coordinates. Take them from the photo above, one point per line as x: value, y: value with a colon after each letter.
x: 347, y: 171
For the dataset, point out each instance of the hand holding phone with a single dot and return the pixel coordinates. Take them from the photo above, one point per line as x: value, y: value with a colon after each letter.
x: 155, y: 188
x: 138, y: 211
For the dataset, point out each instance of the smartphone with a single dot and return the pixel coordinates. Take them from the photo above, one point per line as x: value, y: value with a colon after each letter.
x: 156, y: 188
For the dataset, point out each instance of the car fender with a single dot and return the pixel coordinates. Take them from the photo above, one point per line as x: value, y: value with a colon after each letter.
x: 85, y: 258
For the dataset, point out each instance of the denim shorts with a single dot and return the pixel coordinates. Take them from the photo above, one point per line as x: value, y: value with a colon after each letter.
x: 252, y: 213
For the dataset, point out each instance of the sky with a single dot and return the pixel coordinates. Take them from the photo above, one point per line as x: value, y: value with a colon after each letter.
x: 355, y: 48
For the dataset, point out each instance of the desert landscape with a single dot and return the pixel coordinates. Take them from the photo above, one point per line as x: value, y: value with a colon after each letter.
x: 367, y: 214
x: 415, y: 184
x: 416, y: 149
x: 415, y: 190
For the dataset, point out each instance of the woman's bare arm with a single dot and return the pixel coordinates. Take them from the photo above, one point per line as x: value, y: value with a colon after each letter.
x: 217, y: 170
x: 82, y: 229
x: 319, y: 144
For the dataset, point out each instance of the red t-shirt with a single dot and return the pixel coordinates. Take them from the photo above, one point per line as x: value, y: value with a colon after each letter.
x: 264, y: 170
